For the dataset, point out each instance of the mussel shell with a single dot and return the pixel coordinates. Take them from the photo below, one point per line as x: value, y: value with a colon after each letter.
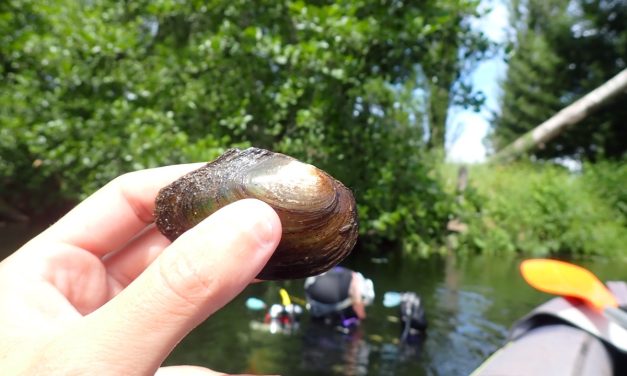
x: 317, y: 212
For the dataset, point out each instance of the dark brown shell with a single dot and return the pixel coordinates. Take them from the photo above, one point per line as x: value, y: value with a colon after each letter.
x: 317, y: 212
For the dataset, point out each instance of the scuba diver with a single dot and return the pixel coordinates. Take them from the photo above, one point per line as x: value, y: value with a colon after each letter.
x: 339, y: 297
x: 413, y: 318
x: 284, y: 317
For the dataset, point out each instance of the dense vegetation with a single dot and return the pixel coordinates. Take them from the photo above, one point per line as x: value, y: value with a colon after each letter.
x: 542, y: 208
x: 560, y: 51
x: 361, y: 88
x: 90, y: 90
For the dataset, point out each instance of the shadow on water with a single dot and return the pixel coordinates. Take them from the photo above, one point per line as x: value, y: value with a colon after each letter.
x: 14, y: 235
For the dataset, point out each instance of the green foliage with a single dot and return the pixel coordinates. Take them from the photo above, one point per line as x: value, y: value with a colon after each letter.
x: 561, y: 51
x: 419, y: 218
x: 90, y: 90
x: 528, y: 97
x: 545, y: 209
x: 607, y: 180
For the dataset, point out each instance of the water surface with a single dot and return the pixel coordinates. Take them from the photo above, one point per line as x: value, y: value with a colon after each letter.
x: 470, y: 302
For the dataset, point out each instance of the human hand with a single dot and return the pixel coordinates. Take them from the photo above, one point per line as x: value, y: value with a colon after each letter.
x: 354, y: 291
x: 103, y: 292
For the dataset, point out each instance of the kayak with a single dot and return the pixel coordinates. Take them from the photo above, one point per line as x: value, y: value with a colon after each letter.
x: 562, y: 337
x: 551, y: 350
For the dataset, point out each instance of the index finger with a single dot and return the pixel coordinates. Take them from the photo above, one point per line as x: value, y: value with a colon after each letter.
x: 108, y: 219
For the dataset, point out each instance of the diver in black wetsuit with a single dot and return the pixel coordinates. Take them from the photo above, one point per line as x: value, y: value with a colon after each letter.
x: 339, y: 296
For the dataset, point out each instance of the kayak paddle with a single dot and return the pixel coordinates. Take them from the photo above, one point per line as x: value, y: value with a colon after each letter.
x: 566, y: 279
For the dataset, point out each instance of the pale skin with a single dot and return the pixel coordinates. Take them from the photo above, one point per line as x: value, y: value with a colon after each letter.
x: 103, y: 292
x: 355, y: 294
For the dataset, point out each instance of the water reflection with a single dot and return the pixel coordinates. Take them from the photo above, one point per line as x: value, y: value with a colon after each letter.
x: 468, y: 319
x: 469, y: 336
x: 336, y: 351
x: 397, y: 356
x: 470, y: 304
x: 327, y: 348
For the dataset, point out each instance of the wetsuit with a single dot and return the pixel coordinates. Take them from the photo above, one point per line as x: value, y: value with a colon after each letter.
x: 328, y: 295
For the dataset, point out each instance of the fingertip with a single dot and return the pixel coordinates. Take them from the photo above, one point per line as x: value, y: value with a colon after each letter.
x: 230, y: 246
x: 251, y: 223
x: 265, y: 221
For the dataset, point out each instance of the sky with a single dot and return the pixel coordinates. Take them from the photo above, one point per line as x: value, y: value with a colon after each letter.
x: 466, y: 129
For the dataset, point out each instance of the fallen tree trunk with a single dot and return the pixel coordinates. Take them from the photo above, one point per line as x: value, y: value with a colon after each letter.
x: 569, y: 116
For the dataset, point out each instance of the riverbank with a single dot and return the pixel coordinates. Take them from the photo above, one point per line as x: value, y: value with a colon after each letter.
x: 542, y: 209
x: 536, y: 209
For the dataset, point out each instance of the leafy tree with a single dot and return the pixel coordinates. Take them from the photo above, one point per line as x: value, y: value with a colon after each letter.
x: 563, y: 50
x: 90, y: 90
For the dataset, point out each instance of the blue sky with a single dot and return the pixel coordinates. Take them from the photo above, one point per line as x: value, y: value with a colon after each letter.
x: 466, y: 129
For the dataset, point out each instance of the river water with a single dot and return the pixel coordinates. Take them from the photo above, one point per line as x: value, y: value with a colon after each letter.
x: 470, y: 303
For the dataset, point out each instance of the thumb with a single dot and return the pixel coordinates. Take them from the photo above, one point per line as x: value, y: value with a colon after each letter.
x: 194, y: 277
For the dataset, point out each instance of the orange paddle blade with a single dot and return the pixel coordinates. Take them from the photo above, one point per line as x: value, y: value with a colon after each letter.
x: 565, y: 279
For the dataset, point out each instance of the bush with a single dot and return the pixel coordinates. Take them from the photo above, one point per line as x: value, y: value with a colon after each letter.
x: 405, y: 205
x: 91, y: 90
x: 543, y: 209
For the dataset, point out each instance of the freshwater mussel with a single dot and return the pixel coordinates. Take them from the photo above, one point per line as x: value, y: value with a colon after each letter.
x: 317, y: 212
